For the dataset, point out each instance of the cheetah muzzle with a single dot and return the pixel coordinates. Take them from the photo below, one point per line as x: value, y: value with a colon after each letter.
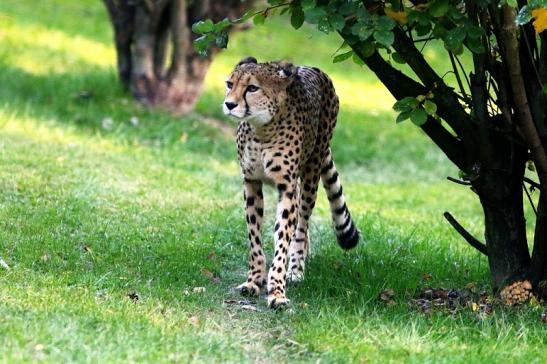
x: 287, y: 116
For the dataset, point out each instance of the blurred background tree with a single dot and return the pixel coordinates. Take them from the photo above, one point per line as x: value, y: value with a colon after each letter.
x: 491, y: 123
x: 155, y: 56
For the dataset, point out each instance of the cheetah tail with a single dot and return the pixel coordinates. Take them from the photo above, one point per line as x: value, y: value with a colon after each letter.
x: 345, y: 229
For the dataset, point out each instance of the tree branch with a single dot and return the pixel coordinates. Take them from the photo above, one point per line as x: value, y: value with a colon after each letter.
x: 524, y: 115
x: 449, y: 107
x: 471, y: 240
x: 402, y: 86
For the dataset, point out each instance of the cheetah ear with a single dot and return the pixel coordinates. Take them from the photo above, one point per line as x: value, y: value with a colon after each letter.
x: 247, y: 60
x: 287, y: 70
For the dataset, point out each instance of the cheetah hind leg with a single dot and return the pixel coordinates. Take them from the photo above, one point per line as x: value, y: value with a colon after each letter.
x: 298, y: 252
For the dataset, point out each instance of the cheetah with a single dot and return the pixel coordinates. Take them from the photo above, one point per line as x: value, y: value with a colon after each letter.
x: 287, y: 116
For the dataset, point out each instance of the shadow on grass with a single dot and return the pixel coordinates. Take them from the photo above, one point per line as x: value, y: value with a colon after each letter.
x: 94, y: 104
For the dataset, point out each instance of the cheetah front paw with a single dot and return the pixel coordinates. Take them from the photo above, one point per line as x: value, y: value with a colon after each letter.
x: 278, y: 300
x: 249, y: 289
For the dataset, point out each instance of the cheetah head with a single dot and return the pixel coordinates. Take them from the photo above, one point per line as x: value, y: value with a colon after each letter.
x: 255, y: 92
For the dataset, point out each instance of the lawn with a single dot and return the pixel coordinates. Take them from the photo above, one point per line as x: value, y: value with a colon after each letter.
x: 124, y: 228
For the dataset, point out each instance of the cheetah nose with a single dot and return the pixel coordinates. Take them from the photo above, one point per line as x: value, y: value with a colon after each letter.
x: 230, y: 105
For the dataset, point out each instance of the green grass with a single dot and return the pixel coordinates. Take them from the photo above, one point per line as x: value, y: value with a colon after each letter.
x: 90, y: 212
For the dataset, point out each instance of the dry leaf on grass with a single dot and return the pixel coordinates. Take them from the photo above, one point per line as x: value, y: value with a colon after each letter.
x: 207, y: 273
x: 3, y: 264
x: 198, y: 289
x: 194, y: 321
x: 387, y: 294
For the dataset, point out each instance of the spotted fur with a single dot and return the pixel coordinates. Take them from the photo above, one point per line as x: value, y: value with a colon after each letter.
x: 286, y: 116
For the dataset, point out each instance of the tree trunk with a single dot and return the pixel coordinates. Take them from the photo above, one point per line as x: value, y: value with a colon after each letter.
x: 499, y: 187
x: 146, y: 32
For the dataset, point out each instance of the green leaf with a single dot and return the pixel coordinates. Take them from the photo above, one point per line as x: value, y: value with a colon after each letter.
x: 545, y: 89
x: 324, y: 26
x: 362, y: 31
x: 347, y: 8
x: 307, y: 3
x: 454, y: 38
x: 384, y: 37
x: 385, y: 23
x: 362, y: 13
x: 438, y: 8
x: 337, y: 21
x: 430, y: 107
x: 297, y: 17
x: 201, y: 44
x: 314, y: 15
x: 203, y: 26
x: 402, y: 116
x: 406, y: 104
x: 475, y: 45
x: 512, y: 3
x: 223, y: 24
x: 342, y: 57
x: 397, y: 58
x: 259, y: 19
x: 221, y: 40
x: 368, y: 48
x: 418, y: 116
x: 357, y: 60
x: 439, y: 31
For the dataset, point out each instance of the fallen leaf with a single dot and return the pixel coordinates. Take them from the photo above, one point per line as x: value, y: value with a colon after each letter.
x: 194, y: 321
x: 45, y: 258
x: 183, y: 137
x: 304, y: 305
x: 87, y: 249
x: 198, y: 289
x: 206, y: 272
x: 474, y: 307
x: 387, y: 294
x: 471, y: 286
x: 426, y: 276
x: 211, y: 256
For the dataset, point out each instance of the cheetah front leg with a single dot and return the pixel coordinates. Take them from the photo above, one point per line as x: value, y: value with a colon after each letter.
x: 283, y: 231
x: 254, y: 211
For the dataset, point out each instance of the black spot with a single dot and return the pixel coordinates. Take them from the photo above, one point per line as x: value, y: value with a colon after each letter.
x: 285, y: 214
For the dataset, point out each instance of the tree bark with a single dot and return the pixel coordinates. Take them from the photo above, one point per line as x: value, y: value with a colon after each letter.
x: 500, y: 192
x: 145, y: 32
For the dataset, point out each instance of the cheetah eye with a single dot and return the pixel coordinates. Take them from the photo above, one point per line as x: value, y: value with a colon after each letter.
x: 229, y: 84
x: 252, y: 88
